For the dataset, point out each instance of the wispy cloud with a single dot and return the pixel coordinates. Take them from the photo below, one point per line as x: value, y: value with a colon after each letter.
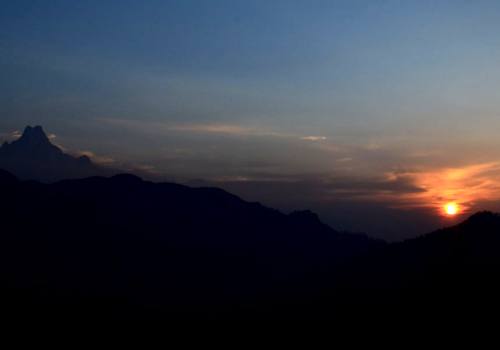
x: 98, y: 159
x: 10, y: 136
x: 344, y: 160
x: 16, y: 134
x: 200, y: 128
x: 314, y: 138
x: 228, y: 129
x: 214, y: 128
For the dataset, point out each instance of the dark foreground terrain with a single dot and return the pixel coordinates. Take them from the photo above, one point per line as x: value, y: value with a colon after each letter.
x: 122, y: 248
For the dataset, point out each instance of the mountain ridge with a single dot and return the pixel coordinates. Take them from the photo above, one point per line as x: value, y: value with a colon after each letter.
x: 198, y: 249
x: 208, y: 253
x: 34, y: 157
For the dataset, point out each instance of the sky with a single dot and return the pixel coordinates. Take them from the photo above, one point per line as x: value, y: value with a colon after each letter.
x: 375, y: 114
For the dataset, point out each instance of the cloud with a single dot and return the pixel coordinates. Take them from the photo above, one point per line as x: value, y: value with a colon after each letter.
x: 101, y: 160
x: 215, y: 129
x: 467, y: 186
x: 10, y: 136
x: 314, y: 138
x: 16, y: 134
x: 144, y: 170
x: 329, y: 186
x: 201, y: 128
x: 373, y: 146
x: 228, y: 129
x: 344, y: 160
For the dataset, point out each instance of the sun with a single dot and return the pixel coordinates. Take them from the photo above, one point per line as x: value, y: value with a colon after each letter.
x: 451, y: 209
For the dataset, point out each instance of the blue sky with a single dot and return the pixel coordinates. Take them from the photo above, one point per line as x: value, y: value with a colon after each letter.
x: 389, y: 93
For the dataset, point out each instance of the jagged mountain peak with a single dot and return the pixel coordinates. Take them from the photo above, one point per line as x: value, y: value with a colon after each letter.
x: 34, y: 157
x: 34, y: 144
x: 34, y: 134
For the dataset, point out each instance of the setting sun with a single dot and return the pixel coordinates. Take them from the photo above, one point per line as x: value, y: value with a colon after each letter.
x: 451, y: 209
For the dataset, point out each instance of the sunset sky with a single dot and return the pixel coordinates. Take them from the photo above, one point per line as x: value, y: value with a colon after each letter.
x: 375, y: 114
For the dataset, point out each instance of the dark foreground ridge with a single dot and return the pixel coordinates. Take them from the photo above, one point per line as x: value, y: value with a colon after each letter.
x: 34, y: 157
x: 123, y: 248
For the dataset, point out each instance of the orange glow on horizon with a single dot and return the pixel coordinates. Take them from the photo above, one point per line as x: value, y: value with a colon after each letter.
x: 448, y: 192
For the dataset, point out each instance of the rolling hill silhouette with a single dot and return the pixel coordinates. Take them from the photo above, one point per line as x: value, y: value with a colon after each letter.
x: 122, y: 247
x: 34, y: 157
x: 121, y: 243
x: 447, y: 275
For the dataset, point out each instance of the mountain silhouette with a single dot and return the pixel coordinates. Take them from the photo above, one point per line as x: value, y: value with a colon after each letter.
x: 118, y: 245
x: 34, y: 157
x: 447, y: 275
x: 441, y: 254
x: 124, y: 248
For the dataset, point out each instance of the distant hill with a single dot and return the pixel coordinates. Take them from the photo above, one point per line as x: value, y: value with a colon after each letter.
x: 450, y: 274
x: 438, y: 259
x: 34, y: 157
x: 118, y: 245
